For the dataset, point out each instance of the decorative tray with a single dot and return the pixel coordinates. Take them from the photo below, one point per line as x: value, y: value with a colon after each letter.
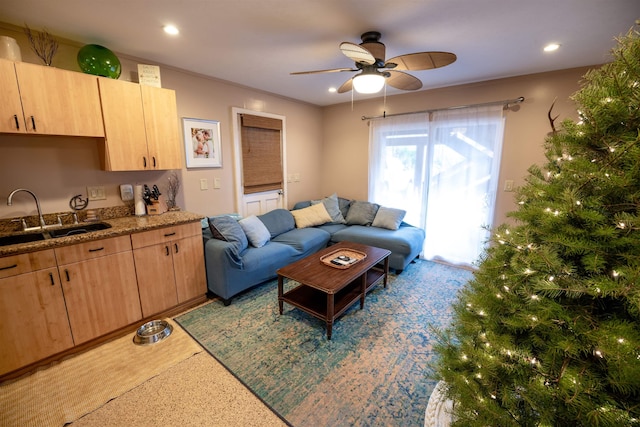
x: 343, y: 258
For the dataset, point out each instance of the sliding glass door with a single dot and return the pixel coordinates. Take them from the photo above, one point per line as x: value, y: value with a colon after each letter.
x: 442, y: 169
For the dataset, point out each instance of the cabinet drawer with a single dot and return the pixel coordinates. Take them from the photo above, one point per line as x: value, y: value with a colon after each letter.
x: 162, y: 235
x: 90, y: 250
x: 25, y: 263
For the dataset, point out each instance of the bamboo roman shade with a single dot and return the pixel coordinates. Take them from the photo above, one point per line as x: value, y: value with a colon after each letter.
x: 261, y: 153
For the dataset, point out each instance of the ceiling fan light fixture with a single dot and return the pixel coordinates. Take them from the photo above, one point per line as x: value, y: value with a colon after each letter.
x: 368, y: 83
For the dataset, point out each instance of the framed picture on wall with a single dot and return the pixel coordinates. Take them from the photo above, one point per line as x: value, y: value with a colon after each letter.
x: 202, y: 143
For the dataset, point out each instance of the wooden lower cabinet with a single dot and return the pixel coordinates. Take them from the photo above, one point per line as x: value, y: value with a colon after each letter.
x: 55, y: 299
x: 100, y: 288
x: 170, y: 266
x: 33, y: 317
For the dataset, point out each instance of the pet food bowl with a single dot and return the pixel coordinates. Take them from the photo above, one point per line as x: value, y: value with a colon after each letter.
x: 152, y: 332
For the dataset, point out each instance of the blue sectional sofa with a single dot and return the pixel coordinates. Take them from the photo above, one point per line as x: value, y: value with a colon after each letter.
x: 240, y: 254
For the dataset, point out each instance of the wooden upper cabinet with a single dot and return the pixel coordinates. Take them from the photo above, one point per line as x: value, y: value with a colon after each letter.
x: 125, y: 135
x: 141, y: 128
x: 11, y: 117
x: 161, y: 124
x: 58, y: 102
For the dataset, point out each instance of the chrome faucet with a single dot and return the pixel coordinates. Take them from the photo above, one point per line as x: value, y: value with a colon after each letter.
x: 40, y: 217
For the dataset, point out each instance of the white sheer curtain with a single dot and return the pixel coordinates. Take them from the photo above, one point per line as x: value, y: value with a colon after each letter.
x: 443, y: 172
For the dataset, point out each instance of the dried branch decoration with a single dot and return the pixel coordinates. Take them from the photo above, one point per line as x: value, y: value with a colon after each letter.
x: 43, y: 44
x: 172, y: 190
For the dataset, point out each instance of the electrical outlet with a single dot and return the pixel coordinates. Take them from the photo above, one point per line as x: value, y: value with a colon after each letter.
x: 508, y: 185
x: 96, y: 193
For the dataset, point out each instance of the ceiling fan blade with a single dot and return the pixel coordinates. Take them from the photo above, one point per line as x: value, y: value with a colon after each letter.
x: 403, y: 81
x: 422, y: 61
x: 346, y: 86
x: 332, y: 70
x: 357, y: 53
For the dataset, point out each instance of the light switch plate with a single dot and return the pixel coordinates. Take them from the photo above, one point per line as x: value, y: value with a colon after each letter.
x: 96, y: 193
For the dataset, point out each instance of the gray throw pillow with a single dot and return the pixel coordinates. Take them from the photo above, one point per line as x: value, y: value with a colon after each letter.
x: 227, y: 229
x: 333, y: 208
x: 344, y: 205
x: 362, y: 213
x: 388, y: 218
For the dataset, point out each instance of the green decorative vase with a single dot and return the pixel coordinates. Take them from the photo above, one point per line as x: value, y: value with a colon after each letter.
x: 98, y: 60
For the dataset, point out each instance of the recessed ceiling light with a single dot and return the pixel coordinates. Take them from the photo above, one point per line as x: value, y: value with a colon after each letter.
x: 333, y: 90
x: 170, y: 29
x: 551, y: 47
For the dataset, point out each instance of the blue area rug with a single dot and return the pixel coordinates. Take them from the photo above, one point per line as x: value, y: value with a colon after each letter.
x: 373, y: 372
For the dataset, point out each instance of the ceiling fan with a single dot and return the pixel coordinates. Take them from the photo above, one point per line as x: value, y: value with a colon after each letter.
x: 375, y: 71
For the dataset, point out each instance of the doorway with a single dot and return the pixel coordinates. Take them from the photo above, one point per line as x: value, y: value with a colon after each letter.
x: 260, y: 161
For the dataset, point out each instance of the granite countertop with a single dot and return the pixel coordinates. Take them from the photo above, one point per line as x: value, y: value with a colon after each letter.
x: 119, y: 226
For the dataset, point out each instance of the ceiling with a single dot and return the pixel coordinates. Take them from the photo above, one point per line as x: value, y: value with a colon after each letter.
x: 257, y: 43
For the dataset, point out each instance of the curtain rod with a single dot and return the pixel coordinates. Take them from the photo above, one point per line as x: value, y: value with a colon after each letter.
x: 506, y: 103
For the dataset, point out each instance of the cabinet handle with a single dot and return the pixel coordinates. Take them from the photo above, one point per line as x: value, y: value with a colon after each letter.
x: 144, y: 162
x: 154, y: 162
x: 33, y: 123
x: 166, y: 248
x: 66, y: 272
x: 175, y: 245
x: 9, y: 267
x: 170, y: 234
x: 53, y: 283
x: 15, y: 117
x: 96, y: 250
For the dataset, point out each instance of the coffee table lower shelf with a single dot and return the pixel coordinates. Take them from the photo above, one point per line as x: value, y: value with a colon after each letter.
x: 317, y: 303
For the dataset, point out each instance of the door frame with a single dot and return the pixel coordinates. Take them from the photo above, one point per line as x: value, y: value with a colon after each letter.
x: 236, y: 112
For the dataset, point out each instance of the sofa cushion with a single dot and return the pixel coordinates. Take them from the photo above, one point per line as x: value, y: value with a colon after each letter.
x: 301, y: 205
x: 304, y: 240
x: 256, y: 231
x: 278, y: 221
x: 388, y: 218
x: 227, y: 228
x: 362, y: 213
x: 333, y: 208
x: 313, y: 215
x: 404, y: 240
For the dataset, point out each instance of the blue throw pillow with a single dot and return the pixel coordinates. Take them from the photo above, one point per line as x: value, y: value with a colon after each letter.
x: 278, y: 221
x: 227, y: 228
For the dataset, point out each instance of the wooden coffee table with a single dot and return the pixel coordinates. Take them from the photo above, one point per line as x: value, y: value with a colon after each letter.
x: 325, y: 291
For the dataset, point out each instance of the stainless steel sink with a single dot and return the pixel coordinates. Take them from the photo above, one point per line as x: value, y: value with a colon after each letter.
x: 78, y: 229
x: 21, y: 238
x: 53, y: 233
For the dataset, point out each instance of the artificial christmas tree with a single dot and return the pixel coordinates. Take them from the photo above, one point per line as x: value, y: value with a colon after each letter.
x: 548, y: 331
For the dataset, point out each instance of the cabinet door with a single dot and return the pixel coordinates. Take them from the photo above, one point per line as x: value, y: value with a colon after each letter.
x: 11, y: 117
x: 156, y: 285
x: 33, y: 319
x: 125, y: 135
x: 59, y: 102
x: 161, y: 123
x: 101, y: 295
x: 188, y: 262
